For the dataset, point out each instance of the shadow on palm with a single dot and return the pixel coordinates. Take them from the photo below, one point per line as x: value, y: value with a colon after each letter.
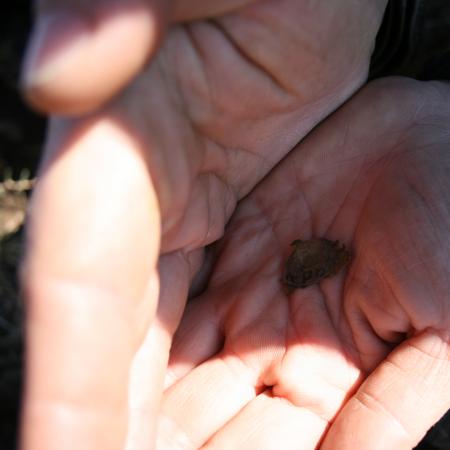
x: 375, y: 177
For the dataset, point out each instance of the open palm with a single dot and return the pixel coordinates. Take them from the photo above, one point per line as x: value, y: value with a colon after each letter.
x: 130, y: 194
x: 255, y: 368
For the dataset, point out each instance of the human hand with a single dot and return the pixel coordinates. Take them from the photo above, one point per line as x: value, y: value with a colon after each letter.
x: 130, y: 194
x: 361, y: 360
x: 83, y: 52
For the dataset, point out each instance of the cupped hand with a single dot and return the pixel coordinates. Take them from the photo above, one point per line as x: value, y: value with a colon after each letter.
x: 361, y: 360
x: 130, y: 193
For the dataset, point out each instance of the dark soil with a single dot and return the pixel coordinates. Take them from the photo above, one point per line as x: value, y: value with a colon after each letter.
x: 414, y: 41
x: 21, y: 136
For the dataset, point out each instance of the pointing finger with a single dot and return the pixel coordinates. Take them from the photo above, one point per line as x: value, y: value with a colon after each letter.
x: 81, y: 53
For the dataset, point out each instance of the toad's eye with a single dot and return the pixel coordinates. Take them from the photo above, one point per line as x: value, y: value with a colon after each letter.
x: 307, y: 274
x: 320, y: 273
x: 289, y: 278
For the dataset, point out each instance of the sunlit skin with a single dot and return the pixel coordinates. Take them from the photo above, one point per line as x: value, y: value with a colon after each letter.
x: 273, y: 366
x: 130, y: 194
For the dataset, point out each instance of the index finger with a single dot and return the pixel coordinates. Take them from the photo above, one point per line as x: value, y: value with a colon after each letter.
x: 81, y: 53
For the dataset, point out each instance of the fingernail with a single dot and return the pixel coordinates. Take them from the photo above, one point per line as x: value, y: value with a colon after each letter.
x: 53, y: 35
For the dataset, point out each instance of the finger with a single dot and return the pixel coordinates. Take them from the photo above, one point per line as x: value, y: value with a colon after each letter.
x: 198, y: 337
x: 91, y: 283
x: 400, y: 400
x: 268, y: 423
x: 81, y: 53
x: 147, y: 375
x: 203, y: 401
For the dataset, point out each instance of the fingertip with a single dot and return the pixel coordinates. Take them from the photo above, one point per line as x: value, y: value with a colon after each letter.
x: 400, y: 400
x: 49, y: 57
x: 77, y: 60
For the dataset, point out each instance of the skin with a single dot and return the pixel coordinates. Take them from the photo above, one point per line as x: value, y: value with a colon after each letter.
x: 362, y: 360
x: 112, y: 253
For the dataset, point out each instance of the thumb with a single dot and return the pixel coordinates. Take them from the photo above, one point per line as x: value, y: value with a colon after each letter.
x: 83, y: 52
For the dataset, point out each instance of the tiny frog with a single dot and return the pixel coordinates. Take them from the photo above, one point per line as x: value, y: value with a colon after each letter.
x: 313, y: 260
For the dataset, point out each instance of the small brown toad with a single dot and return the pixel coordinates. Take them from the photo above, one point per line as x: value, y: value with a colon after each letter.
x: 313, y: 260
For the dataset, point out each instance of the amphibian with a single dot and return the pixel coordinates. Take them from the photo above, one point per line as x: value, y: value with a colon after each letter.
x: 313, y: 260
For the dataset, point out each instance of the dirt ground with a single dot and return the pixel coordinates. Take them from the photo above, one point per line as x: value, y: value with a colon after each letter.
x: 414, y: 41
